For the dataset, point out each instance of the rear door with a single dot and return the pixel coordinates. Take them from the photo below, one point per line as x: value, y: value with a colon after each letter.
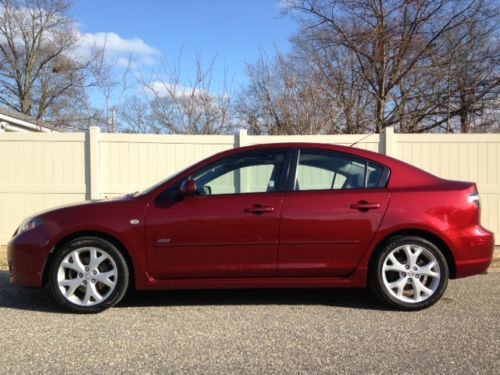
x: 335, y: 207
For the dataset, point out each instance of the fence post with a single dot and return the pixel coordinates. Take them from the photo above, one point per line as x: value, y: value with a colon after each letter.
x: 92, y: 164
x: 240, y: 138
x: 387, y: 141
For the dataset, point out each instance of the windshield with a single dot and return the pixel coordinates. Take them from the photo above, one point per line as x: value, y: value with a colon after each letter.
x: 158, y: 184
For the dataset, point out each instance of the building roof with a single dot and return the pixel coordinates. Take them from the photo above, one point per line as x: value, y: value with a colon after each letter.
x: 12, y: 121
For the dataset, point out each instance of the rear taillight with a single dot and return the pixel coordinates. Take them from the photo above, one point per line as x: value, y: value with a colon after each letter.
x: 474, y: 198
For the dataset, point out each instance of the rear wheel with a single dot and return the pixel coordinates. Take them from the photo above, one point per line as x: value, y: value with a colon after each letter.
x: 409, y: 273
x: 88, y: 275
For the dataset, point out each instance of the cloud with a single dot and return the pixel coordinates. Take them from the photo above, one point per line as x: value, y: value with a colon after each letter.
x: 119, y: 49
x: 163, y: 89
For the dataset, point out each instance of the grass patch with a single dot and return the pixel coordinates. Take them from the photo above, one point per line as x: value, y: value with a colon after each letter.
x: 3, y: 258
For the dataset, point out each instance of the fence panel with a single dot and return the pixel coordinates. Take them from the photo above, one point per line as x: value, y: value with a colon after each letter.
x: 41, y: 171
x: 38, y: 172
x: 463, y: 157
x: 130, y: 162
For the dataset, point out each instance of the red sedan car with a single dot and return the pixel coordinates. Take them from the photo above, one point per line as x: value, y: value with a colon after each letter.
x: 267, y: 216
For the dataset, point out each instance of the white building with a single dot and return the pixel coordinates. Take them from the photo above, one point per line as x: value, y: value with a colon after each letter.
x: 11, y: 121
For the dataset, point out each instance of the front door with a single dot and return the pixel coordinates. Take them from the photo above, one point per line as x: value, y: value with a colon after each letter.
x: 230, y: 228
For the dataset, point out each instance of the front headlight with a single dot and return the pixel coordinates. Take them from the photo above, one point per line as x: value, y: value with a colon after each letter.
x: 29, y: 224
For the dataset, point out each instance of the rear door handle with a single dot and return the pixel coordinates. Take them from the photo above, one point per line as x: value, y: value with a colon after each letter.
x: 365, y: 206
x: 258, y: 209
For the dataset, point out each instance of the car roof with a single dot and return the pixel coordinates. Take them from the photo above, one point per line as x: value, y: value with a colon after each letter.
x: 325, y: 146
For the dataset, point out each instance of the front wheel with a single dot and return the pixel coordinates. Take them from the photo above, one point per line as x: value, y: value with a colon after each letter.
x: 409, y: 273
x: 88, y: 275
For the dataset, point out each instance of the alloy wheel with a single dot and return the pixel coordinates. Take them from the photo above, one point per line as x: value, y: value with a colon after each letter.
x: 87, y: 276
x: 411, y: 273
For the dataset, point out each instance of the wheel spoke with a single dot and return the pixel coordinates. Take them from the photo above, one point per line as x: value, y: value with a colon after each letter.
x: 395, y: 266
x: 72, y: 266
x: 96, y: 260
x: 105, y: 278
x: 72, y: 285
x: 399, y: 285
x: 427, y: 269
x: 77, y: 260
x: 75, y: 264
x: 412, y: 254
x: 91, y: 292
x: 420, y: 288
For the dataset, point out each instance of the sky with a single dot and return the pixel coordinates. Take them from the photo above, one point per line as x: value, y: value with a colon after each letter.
x: 231, y: 31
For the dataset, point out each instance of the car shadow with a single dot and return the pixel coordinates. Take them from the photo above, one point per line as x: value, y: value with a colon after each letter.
x: 13, y: 297
x: 348, y: 298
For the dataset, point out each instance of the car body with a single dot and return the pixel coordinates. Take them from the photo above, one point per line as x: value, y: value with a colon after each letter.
x: 276, y: 215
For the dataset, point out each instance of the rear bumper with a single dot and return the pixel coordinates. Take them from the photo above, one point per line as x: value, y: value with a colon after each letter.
x: 26, y: 256
x: 472, y: 249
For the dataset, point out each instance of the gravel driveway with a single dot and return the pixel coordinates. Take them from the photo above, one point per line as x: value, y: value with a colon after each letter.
x: 273, y: 331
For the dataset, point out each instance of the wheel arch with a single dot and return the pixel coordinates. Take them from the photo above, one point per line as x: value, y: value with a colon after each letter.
x: 429, y: 236
x: 105, y: 236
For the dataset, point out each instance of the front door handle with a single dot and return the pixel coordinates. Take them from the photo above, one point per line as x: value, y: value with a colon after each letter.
x: 258, y: 209
x: 364, y: 206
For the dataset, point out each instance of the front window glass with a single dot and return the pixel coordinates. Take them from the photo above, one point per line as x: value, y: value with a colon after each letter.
x: 250, y: 173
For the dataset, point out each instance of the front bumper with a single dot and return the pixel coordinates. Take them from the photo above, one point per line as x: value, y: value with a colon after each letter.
x: 26, y: 256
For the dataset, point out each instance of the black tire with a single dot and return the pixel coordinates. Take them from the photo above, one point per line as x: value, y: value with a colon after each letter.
x: 407, y: 297
x: 113, y: 262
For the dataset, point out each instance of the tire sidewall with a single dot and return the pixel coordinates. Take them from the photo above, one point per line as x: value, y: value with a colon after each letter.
x: 377, y: 282
x: 103, y: 245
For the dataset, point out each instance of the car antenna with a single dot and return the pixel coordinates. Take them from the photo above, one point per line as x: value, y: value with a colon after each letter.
x: 363, y: 138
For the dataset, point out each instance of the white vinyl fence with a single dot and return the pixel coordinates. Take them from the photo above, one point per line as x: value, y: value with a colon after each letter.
x: 40, y: 171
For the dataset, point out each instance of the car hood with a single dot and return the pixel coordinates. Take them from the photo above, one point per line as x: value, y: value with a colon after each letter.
x: 96, y: 203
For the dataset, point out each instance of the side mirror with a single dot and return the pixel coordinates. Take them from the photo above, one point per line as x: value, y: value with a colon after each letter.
x: 188, y: 188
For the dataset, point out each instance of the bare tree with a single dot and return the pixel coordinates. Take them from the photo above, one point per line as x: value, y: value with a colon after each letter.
x: 287, y: 95
x: 340, y: 80
x: 176, y: 107
x: 40, y: 75
x: 473, y: 75
x: 136, y: 117
x: 399, y: 49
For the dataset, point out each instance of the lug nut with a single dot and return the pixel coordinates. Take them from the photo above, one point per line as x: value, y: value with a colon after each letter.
x: 86, y: 269
x: 80, y: 275
x: 409, y: 280
x: 84, y: 282
x: 93, y: 281
x: 94, y: 272
x: 415, y: 268
x: 407, y: 267
x: 417, y: 275
x: 403, y: 274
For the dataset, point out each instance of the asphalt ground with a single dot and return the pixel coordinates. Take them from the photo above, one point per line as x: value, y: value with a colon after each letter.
x: 254, y: 332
